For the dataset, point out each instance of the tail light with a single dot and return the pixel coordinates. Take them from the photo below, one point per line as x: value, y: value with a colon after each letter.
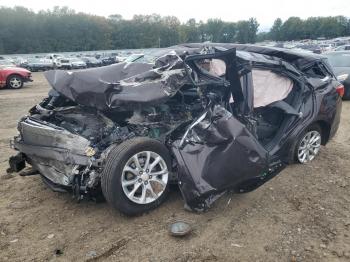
x: 340, y: 90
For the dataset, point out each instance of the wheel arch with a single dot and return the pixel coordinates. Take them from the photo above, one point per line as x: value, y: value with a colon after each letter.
x: 13, y: 74
x: 325, y: 130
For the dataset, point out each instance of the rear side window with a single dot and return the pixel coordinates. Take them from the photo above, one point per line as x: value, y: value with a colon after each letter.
x: 318, y: 70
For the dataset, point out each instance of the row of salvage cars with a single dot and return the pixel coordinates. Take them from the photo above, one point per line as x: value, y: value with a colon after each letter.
x: 210, y: 117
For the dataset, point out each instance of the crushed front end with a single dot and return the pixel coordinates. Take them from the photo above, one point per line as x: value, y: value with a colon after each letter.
x: 67, y: 137
x: 65, y: 146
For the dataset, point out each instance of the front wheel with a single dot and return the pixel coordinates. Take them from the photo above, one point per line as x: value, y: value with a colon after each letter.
x: 309, y: 144
x: 15, y: 82
x: 136, y: 175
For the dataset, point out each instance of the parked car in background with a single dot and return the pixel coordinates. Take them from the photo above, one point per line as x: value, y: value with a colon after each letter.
x: 13, y: 77
x: 120, y: 59
x: 108, y: 60
x: 326, y: 47
x: 38, y: 64
x: 91, y: 61
x: 19, y: 61
x: 54, y: 58
x: 343, y: 48
x: 340, y: 61
x: 313, y: 48
x: 7, y: 63
x: 77, y: 63
x: 63, y: 63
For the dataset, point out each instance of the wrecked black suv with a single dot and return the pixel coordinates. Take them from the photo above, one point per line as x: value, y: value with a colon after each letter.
x: 211, y: 117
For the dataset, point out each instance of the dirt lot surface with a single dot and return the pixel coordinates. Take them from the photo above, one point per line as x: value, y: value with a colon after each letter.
x: 301, y: 215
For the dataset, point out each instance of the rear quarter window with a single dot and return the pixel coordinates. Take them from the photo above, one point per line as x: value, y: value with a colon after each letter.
x: 318, y: 70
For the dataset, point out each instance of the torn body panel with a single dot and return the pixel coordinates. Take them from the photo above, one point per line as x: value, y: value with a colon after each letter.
x: 52, y: 150
x: 218, y: 153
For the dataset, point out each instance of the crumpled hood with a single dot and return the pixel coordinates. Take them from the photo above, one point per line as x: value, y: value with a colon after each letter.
x: 123, y: 85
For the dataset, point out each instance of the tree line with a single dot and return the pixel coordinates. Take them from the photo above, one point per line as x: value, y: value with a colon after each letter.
x: 295, y: 28
x: 62, y: 29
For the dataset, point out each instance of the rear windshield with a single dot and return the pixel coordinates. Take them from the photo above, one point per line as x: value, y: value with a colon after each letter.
x: 339, y: 60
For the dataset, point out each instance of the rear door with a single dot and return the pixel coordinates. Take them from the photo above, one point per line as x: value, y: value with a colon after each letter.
x: 218, y: 152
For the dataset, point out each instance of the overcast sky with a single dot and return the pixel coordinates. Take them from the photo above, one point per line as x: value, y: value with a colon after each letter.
x: 228, y: 10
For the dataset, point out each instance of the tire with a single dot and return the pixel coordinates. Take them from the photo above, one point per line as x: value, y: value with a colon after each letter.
x: 15, y: 82
x: 146, y: 190
x: 312, y: 147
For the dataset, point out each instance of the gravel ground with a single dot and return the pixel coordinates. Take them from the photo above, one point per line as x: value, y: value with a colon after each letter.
x: 301, y: 215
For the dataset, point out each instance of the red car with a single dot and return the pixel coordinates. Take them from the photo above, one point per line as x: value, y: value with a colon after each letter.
x: 13, y: 77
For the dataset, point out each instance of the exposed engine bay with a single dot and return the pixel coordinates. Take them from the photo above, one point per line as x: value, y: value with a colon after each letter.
x: 98, y: 130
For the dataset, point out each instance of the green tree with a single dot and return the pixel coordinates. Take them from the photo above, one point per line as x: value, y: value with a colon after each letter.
x: 293, y: 29
x: 189, y: 32
x: 275, y: 32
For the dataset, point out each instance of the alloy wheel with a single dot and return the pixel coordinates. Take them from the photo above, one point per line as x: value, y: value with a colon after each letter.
x: 309, y: 146
x: 145, y: 177
x: 15, y: 82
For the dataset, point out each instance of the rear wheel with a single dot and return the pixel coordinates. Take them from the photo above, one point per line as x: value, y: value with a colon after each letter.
x: 136, y: 175
x: 309, y: 144
x: 15, y: 82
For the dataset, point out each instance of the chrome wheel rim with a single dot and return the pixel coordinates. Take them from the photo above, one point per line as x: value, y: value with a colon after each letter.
x: 309, y: 146
x: 144, y: 177
x: 15, y: 82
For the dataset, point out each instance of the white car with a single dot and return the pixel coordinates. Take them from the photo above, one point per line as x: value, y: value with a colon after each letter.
x: 53, y: 57
x: 77, y: 63
x: 326, y: 47
x: 63, y: 63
